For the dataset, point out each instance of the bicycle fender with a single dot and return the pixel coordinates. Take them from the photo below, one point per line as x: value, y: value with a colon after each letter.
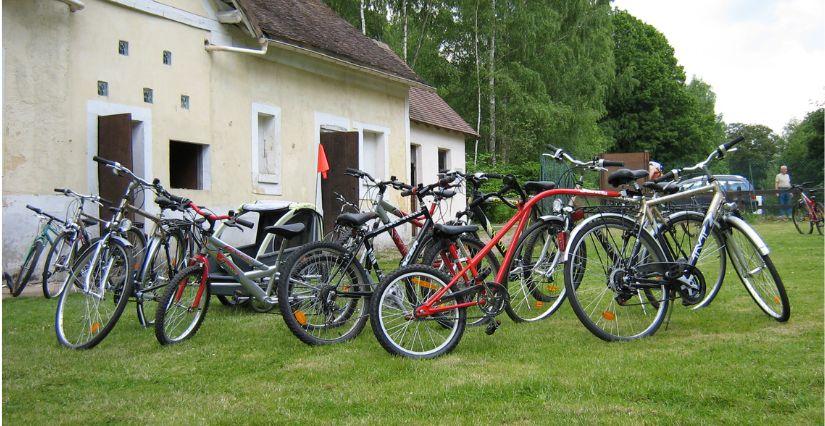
x: 743, y: 226
x: 552, y: 218
x: 584, y: 222
x: 120, y: 240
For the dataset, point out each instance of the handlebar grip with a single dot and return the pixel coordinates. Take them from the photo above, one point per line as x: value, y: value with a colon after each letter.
x: 494, y: 175
x: 730, y: 144
x: 552, y: 148
x: 105, y: 201
x: 245, y: 223
x: 406, y: 193
x: 667, y: 176
x: 33, y: 208
x: 353, y: 171
x: 103, y: 161
x: 611, y: 163
x: 61, y: 190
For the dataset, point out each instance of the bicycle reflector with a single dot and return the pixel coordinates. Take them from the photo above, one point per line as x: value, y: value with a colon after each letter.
x: 610, y: 316
x: 421, y: 283
x: 301, y: 317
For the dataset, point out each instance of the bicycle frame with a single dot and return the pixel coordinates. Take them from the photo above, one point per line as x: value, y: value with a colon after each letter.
x: 518, y: 221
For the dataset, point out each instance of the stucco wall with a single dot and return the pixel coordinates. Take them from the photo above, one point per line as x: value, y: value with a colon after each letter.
x: 430, y: 140
x: 53, y: 60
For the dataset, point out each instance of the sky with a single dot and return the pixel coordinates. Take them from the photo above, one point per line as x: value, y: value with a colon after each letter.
x: 765, y: 60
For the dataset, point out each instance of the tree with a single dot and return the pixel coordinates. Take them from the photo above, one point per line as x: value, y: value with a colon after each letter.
x: 756, y: 156
x: 803, y: 153
x: 649, y: 107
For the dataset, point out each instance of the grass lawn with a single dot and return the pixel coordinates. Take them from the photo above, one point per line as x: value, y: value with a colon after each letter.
x: 728, y: 363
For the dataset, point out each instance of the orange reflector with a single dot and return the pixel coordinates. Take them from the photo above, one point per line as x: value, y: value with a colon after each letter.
x: 552, y: 288
x: 95, y: 327
x: 422, y: 283
x: 610, y: 316
x: 539, y: 304
x: 301, y: 317
x: 776, y: 299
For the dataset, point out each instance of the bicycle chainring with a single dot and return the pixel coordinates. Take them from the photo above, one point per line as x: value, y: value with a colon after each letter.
x: 492, y: 298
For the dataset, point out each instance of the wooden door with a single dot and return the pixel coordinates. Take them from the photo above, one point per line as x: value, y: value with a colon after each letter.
x: 342, y: 152
x: 114, y: 142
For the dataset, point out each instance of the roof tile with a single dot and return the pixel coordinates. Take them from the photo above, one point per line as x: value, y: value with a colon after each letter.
x: 428, y: 108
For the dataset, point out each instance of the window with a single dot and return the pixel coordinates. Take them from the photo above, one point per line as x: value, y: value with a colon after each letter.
x: 148, y: 95
x: 184, y: 101
x: 373, y: 154
x: 102, y: 88
x: 266, y: 143
x: 167, y: 57
x: 123, y: 47
x: 188, y: 165
x: 443, y: 160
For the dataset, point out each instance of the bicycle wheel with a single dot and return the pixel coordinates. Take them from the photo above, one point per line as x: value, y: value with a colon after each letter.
x: 682, y: 233
x: 757, y: 273
x: 820, y: 219
x: 608, y: 298
x: 28, y: 268
x: 165, y: 259
x: 397, y: 328
x: 535, y: 286
x: 137, y: 238
x: 183, y: 307
x: 58, y: 262
x: 86, y: 314
x: 323, y: 293
x: 438, y: 256
x: 801, y: 218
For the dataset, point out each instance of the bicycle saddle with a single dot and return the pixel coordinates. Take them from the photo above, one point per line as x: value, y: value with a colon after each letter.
x: 286, y: 231
x: 535, y: 187
x: 662, y: 187
x: 451, y: 231
x: 355, y: 220
x: 88, y: 222
x: 624, y: 176
x: 444, y: 193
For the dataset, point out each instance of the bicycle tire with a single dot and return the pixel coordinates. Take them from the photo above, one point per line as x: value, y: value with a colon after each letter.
x: 779, y: 297
x: 151, y: 291
x: 626, y: 227
x: 299, y: 322
x: 382, y: 295
x: 799, y: 215
x: 121, y: 290
x: 47, y: 268
x: 162, y: 333
x: 28, y: 268
x: 820, y: 220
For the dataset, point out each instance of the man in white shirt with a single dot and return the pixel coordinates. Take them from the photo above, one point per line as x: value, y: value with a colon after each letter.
x: 783, y: 183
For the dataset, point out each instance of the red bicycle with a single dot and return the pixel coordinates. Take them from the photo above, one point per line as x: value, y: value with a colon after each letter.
x: 807, y: 212
x: 420, y: 312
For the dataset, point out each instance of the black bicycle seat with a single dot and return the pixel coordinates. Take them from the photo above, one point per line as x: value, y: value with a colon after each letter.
x: 355, y: 220
x: 286, y: 231
x: 535, y: 187
x: 452, y: 231
x: 662, y: 187
x: 625, y: 176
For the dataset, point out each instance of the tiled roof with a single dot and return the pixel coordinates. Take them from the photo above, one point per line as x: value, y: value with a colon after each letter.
x: 312, y: 25
x: 428, y: 108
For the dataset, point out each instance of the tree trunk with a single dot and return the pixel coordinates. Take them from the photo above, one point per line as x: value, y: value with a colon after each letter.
x: 492, y: 82
x: 363, y: 22
x: 404, y: 7
x: 478, y: 74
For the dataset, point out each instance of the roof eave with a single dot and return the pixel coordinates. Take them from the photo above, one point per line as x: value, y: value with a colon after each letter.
x: 463, y: 132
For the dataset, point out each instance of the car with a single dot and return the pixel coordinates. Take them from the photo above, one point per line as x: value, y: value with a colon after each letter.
x: 738, y: 188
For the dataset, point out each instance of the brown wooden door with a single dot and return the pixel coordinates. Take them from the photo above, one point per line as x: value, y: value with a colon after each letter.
x: 114, y: 142
x: 342, y: 152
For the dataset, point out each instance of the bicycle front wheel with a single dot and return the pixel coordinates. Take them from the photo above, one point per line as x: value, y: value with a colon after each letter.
x: 183, y: 307
x: 801, y: 218
x: 28, y: 268
x: 820, y: 220
x: 606, y: 291
x: 58, y: 262
x: 757, y: 273
x: 96, y: 292
x: 165, y: 259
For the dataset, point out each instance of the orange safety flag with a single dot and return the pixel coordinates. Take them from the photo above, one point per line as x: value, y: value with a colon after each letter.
x: 323, y: 164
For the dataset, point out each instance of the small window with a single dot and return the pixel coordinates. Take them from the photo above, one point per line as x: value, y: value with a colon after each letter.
x: 184, y: 101
x: 187, y: 165
x: 443, y: 160
x: 148, y: 95
x: 167, y: 57
x: 123, y: 47
x: 267, y: 144
x: 102, y: 88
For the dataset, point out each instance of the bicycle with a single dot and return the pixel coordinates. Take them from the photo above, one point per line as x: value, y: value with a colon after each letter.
x: 49, y: 231
x: 626, y: 260
x: 807, y: 210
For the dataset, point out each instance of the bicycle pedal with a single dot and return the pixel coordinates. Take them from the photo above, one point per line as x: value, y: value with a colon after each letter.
x: 492, y: 326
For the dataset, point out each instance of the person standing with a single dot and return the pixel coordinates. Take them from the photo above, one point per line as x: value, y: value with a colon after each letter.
x: 783, y: 183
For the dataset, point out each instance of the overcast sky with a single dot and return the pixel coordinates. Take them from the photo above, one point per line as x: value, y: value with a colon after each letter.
x: 764, y: 59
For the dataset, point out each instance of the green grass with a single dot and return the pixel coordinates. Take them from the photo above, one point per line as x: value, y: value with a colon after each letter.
x: 728, y: 363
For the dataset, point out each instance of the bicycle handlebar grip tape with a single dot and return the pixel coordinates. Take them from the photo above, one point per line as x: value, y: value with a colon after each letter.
x: 731, y: 144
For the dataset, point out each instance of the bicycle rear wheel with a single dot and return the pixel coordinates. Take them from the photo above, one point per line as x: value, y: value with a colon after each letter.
x: 166, y: 259
x: 183, y: 307
x: 605, y: 292
x: 682, y: 234
x: 28, y: 268
x: 820, y: 220
x: 58, y: 262
x: 758, y: 274
x: 86, y: 315
x: 801, y: 218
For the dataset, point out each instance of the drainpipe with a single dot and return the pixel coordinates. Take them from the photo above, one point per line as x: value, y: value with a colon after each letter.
x: 217, y: 48
x: 74, y: 5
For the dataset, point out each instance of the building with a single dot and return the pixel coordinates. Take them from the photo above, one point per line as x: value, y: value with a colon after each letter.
x: 225, y: 101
